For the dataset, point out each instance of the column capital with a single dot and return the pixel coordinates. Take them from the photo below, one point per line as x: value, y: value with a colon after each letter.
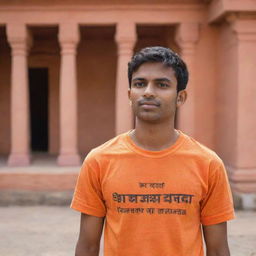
x: 68, y: 37
x: 244, y: 26
x: 68, y: 34
x: 19, y: 38
x: 125, y: 37
x: 187, y: 35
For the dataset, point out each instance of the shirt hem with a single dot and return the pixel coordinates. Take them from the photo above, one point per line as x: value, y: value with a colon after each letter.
x: 211, y: 220
x: 86, y: 209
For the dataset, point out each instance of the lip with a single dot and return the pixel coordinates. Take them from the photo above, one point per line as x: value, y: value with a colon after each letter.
x: 149, y: 105
x: 147, y: 102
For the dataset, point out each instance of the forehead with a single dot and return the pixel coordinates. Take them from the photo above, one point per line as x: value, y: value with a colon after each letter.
x: 151, y: 70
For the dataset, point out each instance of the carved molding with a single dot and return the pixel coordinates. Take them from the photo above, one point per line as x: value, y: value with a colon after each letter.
x: 19, y: 38
x: 125, y: 37
x: 68, y: 34
x: 187, y: 34
x: 244, y: 26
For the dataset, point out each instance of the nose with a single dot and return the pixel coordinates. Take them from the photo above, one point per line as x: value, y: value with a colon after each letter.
x: 149, y: 91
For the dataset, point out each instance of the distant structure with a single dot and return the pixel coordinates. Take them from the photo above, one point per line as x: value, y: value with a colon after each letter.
x: 63, y: 80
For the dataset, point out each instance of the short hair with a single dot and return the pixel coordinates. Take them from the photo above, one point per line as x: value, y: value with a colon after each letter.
x: 160, y: 55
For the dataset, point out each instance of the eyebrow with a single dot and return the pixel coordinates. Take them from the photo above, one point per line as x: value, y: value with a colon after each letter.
x: 163, y: 79
x: 160, y: 79
x: 138, y: 78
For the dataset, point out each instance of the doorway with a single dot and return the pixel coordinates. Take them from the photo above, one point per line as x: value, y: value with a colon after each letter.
x: 38, y: 94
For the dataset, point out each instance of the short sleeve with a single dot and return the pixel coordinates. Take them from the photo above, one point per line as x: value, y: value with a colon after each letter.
x: 217, y: 205
x: 88, y: 196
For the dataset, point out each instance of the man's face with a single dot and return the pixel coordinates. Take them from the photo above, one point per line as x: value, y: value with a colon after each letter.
x: 153, y: 93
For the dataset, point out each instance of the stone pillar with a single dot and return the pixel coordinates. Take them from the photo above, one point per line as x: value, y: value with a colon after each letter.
x: 242, y: 165
x: 125, y: 38
x: 187, y: 35
x: 68, y: 38
x: 19, y: 41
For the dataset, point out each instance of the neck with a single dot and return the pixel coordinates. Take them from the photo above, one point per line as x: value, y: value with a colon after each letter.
x: 154, y: 137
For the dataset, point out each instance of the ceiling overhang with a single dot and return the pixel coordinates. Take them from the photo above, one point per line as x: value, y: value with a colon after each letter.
x: 218, y: 9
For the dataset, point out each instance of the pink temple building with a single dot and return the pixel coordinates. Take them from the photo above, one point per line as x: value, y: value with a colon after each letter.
x: 63, y: 82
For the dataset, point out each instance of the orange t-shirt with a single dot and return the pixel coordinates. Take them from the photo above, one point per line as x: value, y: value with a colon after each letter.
x: 154, y: 201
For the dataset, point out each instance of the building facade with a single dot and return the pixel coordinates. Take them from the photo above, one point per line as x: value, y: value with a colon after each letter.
x: 63, y: 82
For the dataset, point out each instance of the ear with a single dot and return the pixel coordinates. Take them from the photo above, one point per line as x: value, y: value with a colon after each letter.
x: 181, y: 98
x: 129, y: 93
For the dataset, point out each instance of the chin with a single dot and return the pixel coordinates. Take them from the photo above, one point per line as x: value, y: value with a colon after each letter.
x: 149, y: 118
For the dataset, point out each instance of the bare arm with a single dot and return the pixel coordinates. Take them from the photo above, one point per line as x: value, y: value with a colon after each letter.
x: 215, y: 237
x: 90, y: 233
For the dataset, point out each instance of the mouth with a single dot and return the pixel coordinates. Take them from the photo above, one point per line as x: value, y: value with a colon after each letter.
x: 149, y: 104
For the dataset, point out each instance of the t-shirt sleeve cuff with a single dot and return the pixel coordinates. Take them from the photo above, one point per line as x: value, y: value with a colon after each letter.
x: 76, y: 205
x: 215, y: 219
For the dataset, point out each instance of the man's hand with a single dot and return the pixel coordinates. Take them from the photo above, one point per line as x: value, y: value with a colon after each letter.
x: 215, y: 237
x: 90, y: 233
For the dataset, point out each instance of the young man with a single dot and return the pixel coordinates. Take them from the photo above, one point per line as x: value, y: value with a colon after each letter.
x: 154, y: 186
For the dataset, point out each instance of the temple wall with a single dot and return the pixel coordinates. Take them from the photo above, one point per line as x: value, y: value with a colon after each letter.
x: 96, y: 65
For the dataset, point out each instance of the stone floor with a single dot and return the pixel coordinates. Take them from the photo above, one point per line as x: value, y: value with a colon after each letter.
x: 53, y: 231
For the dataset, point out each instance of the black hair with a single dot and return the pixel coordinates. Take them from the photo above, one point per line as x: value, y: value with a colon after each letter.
x: 163, y: 55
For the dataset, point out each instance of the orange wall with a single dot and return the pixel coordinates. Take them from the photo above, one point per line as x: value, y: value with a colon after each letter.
x: 96, y: 70
x: 96, y: 76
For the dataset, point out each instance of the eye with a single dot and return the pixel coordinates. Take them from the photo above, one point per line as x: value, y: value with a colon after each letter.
x: 139, y: 84
x: 163, y: 85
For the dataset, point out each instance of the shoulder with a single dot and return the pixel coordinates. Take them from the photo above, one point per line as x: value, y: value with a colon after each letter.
x: 201, y: 152
x: 112, y: 147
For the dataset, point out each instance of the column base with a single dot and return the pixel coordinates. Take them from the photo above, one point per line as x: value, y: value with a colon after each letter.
x: 243, y: 186
x: 242, y: 180
x: 69, y: 160
x: 19, y: 160
x: 244, y: 201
